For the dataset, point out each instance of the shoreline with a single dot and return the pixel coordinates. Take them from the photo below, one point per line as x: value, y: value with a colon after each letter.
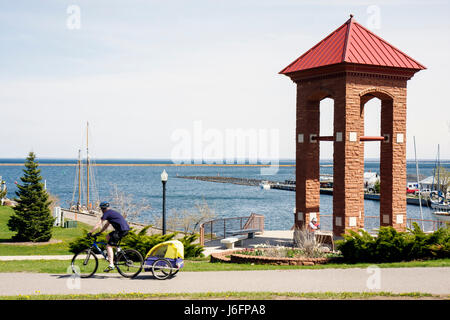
x: 151, y: 165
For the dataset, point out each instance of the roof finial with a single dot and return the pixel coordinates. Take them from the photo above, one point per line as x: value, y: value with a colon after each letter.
x: 351, y: 15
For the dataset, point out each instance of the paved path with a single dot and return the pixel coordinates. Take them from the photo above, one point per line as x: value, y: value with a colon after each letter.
x: 396, y: 280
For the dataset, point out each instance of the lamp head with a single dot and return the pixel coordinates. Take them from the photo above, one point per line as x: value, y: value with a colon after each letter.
x: 164, y: 176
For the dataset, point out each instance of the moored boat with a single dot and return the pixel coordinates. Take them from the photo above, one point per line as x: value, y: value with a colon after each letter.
x: 442, y: 215
x: 265, y: 185
x: 86, y: 188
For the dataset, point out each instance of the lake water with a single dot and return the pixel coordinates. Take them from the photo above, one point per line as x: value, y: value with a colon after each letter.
x: 227, y: 200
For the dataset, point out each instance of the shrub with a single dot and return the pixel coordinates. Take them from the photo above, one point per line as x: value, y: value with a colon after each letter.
x: 356, y: 246
x: 391, y: 245
x: 142, y: 242
x: 307, y: 242
x: 191, y: 249
x: 83, y: 242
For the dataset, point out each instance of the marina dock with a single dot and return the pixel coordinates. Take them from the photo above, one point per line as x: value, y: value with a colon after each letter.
x: 287, y: 185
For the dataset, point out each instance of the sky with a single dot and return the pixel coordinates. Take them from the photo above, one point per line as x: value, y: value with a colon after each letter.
x: 152, y: 76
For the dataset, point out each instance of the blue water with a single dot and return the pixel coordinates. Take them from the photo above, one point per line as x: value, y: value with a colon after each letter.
x: 227, y: 200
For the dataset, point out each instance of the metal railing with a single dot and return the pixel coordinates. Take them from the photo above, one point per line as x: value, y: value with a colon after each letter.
x: 424, y: 224
x: 217, y: 229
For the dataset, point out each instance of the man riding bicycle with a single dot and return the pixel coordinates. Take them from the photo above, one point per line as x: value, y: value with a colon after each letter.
x: 121, y: 229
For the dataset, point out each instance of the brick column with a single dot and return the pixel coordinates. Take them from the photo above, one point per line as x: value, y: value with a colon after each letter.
x: 393, y: 163
x: 360, y: 224
x: 348, y: 184
x: 307, y: 159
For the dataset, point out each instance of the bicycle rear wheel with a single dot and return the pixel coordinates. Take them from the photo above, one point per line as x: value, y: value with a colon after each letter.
x: 84, y: 263
x: 129, y: 263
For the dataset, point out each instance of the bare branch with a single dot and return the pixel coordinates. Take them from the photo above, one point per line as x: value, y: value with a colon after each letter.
x: 188, y: 221
x: 125, y: 203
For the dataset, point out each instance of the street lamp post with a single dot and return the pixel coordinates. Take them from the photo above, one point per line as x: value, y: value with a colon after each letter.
x: 164, y: 177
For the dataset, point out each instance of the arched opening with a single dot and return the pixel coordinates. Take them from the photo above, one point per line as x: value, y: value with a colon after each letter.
x: 371, y: 127
x: 308, y: 155
x: 326, y: 161
x: 375, y: 125
x: 326, y: 128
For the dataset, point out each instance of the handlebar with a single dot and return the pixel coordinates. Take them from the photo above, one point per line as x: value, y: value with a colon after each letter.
x: 93, y: 235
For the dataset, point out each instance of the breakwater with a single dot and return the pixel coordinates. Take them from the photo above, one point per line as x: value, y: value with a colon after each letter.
x: 288, y: 186
x: 219, y: 179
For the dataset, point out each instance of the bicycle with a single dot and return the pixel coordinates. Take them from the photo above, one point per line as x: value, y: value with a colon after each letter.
x: 129, y: 262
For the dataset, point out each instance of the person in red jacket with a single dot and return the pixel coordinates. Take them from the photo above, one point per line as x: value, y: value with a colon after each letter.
x: 313, y: 225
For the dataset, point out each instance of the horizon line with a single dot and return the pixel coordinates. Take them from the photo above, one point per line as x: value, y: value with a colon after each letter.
x: 193, y: 160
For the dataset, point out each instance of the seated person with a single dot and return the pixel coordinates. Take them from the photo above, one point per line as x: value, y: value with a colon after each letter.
x: 313, y: 225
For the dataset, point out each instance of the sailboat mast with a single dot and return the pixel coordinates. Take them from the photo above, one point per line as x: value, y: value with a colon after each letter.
x: 79, y: 181
x: 418, y: 186
x: 439, y: 169
x: 87, y: 165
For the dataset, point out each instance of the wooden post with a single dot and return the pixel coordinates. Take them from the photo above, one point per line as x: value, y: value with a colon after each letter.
x: 202, y: 234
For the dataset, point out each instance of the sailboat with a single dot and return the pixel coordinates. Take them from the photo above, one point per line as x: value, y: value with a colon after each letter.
x: 437, y: 199
x: 438, y: 202
x: 85, y: 197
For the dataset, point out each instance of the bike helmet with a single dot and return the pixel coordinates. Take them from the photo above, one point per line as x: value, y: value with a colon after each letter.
x: 104, y: 205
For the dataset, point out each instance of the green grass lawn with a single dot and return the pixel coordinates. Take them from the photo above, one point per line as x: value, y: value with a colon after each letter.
x: 200, y: 264
x: 65, y: 234
x: 232, y: 296
x: 60, y: 267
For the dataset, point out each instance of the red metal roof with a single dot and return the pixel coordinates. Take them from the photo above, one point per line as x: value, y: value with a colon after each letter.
x: 352, y: 43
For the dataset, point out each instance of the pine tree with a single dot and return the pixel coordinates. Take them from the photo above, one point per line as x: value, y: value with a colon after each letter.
x: 32, y: 219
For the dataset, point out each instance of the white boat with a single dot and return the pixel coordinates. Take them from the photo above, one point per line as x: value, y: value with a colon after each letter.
x: 442, y: 215
x: 265, y: 185
x: 443, y: 206
x: 438, y: 199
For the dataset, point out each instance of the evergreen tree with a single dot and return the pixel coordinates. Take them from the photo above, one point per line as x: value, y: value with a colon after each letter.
x: 32, y: 219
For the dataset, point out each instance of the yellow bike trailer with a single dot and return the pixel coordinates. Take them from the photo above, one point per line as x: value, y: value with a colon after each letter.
x: 165, y: 259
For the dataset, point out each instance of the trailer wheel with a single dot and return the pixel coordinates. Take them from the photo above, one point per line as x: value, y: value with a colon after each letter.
x: 162, y: 269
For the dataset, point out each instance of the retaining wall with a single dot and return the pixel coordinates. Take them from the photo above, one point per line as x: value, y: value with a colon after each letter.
x: 235, y: 257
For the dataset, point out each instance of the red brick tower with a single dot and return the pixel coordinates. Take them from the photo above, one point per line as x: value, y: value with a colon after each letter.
x: 351, y: 65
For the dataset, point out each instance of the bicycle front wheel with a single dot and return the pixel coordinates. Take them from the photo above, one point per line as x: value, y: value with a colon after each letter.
x: 129, y: 263
x: 85, y: 263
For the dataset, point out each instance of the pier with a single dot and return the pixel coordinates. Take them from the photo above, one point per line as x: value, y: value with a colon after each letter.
x: 219, y: 179
x: 288, y: 185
